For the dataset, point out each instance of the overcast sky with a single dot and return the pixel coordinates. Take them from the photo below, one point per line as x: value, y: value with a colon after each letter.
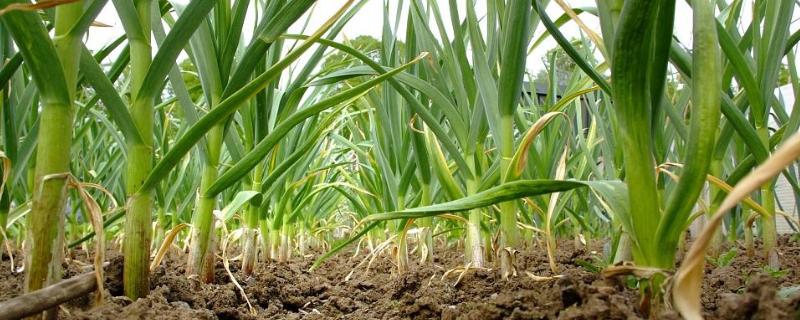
x: 368, y: 21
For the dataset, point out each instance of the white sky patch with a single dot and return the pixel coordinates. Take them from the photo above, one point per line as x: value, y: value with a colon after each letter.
x: 369, y: 21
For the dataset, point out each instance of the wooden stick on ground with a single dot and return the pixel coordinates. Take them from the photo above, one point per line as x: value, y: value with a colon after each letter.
x: 46, y: 298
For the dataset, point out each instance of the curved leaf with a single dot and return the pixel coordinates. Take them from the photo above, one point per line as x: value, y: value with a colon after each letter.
x: 502, y: 193
x: 227, y: 107
x: 241, y: 168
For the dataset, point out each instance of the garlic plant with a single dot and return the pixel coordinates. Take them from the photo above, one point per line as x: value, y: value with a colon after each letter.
x: 213, y: 115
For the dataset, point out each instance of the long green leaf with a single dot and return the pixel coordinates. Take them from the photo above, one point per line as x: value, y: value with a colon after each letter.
x: 632, y: 103
x: 33, y: 41
x: 228, y: 107
x: 702, y: 136
x: 238, y: 201
x: 110, y: 96
x: 176, y: 40
x: 249, y: 161
x: 413, y: 102
x: 502, y: 193
x: 553, y: 30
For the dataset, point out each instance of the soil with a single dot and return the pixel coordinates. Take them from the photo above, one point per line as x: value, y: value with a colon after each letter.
x: 741, y: 289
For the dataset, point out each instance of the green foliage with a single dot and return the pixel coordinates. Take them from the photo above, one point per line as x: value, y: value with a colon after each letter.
x: 302, y: 136
x: 725, y: 259
x: 593, y: 266
x: 557, y: 61
x: 364, y: 44
x: 776, y: 273
x: 191, y: 79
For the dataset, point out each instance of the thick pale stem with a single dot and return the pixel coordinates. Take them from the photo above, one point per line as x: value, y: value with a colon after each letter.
x: 426, y: 236
x: 138, y: 233
x: 302, y: 244
x: 509, y: 235
x: 285, y: 252
x: 748, y: 238
x: 250, y: 251
x: 623, y: 252
x: 209, y: 260
x: 274, y: 243
x: 163, y: 225
x: 716, y: 242
x: 45, y: 222
x: 402, y: 253
x: 46, y: 219
x: 263, y: 226
x: 512, y: 70
x: 136, y: 246
x: 474, y: 246
x: 769, y: 233
x: 201, y: 249
x: 551, y: 251
x: 769, y: 229
x: 509, y: 239
x: 201, y: 233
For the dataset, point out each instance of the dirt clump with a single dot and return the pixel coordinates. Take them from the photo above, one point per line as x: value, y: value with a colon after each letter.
x: 343, y: 289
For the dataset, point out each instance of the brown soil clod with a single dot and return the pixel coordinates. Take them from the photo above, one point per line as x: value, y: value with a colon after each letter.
x: 742, y: 290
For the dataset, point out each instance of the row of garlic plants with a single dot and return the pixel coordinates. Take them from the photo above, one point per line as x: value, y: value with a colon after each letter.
x: 256, y: 138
